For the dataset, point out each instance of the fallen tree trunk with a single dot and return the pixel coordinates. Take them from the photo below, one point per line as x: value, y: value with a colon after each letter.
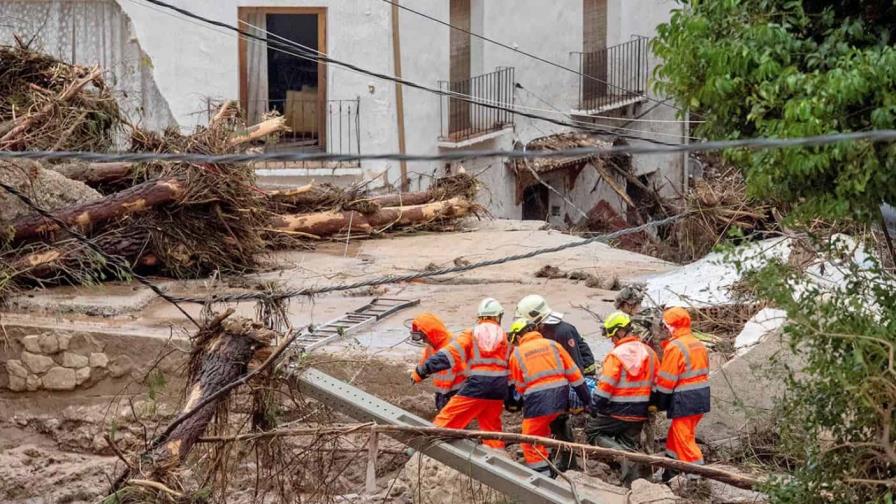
x: 707, y: 471
x: 225, y: 351
x: 330, y: 223
x: 72, y: 259
x: 130, y: 201
x: 95, y: 174
x: 400, y: 200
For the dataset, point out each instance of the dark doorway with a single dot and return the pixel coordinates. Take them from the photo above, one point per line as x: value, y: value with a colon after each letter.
x: 535, y: 203
x: 293, y: 81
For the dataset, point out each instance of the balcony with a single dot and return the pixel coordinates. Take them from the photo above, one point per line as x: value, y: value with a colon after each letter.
x: 331, y: 126
x: 464, y: 123
x: 614, y: 77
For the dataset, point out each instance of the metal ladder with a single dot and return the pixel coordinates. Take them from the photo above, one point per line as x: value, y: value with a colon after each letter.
x: 324, y: 334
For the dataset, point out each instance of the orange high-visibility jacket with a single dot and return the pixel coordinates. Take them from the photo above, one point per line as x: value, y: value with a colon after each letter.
x: 682, y: 382
x: 542, y: 372
x: 485, y: 368
x: 626, y: 380
x: 447, y: 381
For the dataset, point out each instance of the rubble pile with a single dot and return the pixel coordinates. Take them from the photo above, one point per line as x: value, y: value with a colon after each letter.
x: 184, y: 220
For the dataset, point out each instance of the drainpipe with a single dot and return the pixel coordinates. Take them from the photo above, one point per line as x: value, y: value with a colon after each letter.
x: 399, y: 93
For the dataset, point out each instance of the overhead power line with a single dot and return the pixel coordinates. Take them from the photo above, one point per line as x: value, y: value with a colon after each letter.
x: 254, y: 296
x: 315, y: 55
x: 521, y: 52
x: 713, y: 146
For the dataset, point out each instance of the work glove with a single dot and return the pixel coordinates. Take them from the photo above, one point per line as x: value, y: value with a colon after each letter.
x: 415, y: 377
x: 513, y: 403
x: 652, y: 409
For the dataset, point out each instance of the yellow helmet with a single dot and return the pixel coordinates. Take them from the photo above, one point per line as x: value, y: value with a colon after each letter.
x: 519, y: 327
x: 615, y: 321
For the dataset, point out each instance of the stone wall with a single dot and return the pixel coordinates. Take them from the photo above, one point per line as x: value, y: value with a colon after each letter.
x: 55, y: 359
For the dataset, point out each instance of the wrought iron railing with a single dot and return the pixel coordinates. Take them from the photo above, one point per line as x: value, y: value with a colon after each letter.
x: 341, y: 124
x: 613, y: 76
x: 344, y: 126
x: 462, y: 120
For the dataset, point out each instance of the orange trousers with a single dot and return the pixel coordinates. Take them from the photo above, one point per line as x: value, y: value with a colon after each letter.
x: 681, y: 443
x: 460, y: 411
x: 535, y: 455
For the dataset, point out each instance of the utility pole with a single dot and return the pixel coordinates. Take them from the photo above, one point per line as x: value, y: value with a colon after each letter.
x: 399, y: 92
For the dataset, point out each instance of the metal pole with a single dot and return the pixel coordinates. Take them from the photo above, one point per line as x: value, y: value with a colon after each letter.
x: 372, y: 450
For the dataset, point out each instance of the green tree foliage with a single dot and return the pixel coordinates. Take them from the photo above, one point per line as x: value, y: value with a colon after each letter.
x: 785, y: 68
x: 839, y: 411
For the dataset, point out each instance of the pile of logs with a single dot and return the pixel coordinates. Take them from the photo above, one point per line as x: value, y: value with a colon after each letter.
x: 184, y: 220
x: 176, y: 225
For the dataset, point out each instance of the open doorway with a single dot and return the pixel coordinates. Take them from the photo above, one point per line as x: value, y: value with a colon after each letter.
x: 535, y: 203
x: 274, y: 78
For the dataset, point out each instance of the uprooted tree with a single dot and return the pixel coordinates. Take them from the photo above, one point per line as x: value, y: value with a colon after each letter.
x: 785, y: 68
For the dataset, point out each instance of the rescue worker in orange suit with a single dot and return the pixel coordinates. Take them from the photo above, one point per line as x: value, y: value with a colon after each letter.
x: 482, y: 352
x: 681, y: 388
x: 621, y: 399
x: 551, y: 326
x: 430, y: 330
x: 542, y: 372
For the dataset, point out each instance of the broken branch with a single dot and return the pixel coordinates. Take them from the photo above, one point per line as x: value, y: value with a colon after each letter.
x: 730, y: 478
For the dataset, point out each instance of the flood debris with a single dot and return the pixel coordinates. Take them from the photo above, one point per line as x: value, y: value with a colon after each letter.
x: 182, y: 220
x: 47, y: 104
x: 590, y: 279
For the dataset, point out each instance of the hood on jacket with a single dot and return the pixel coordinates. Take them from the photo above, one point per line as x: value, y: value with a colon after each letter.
x: 679, y: 321
x: 488, y: 335
x: 633, y: 355
x: 433, y: 328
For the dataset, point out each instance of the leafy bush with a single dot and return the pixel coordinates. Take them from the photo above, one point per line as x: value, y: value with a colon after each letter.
x: 784, y: 68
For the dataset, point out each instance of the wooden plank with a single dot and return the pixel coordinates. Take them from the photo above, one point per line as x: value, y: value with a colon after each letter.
x: 399, y: 93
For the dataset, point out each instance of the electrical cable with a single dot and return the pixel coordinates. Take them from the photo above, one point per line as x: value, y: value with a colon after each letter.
x: 327, y: 59
x: 117, y: 261
x: 887, y: 135
x: 387, y: 279
x: 519, y: 51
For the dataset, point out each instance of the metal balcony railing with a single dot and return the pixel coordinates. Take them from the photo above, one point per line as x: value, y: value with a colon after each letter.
x: 614, y: 76
x: 341, y: 124
x: 462, y: 120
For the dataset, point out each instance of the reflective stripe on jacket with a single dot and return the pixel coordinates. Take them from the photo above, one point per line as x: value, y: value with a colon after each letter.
x: 445, y: 381
x: 626, y: 380
x: 682, y: 382
x: 485, y: 371
x: 448, y: 373
x: 542, y: 372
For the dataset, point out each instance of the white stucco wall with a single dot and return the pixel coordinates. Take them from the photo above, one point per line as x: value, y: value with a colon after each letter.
x: 192, y: 62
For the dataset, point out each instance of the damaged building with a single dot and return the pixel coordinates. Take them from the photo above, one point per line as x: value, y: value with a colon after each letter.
x: 174, y: 71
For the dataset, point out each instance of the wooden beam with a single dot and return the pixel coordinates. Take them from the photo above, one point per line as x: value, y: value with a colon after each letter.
x: 399, y: 92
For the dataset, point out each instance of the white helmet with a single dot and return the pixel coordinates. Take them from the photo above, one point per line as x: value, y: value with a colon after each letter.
x: 490, y: 307
x: 533, y: 308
